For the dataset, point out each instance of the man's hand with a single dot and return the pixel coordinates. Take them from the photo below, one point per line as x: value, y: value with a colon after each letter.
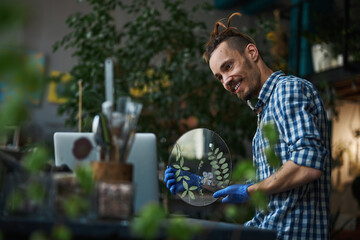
x: 174, y: 186
x: 234, y: 194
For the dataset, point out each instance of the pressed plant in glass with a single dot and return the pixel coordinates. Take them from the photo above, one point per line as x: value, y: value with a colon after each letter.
x: 202, y: 164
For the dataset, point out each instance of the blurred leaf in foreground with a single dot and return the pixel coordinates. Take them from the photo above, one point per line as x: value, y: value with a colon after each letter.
x: 181, y: 230
x: 38, y: 235
x: 35, y: 161
x: 85, y: 177
x: 244, y: 171
x: 148, y: 224
x: 271, y: 134
x: 61, y: 232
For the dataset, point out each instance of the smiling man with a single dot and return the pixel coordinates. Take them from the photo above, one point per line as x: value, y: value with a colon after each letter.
x: 299, y: 189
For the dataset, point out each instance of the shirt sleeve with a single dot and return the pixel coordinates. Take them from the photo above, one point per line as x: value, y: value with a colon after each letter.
x: 299, y: 115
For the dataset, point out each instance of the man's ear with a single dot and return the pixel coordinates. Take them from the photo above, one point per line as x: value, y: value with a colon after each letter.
x: 252, y: 52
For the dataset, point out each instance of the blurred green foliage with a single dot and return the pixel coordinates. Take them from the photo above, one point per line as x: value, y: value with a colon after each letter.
x: 61, y: 232
x: 15, y: 200
x: 84, y: 177
x: 18, y: 73
x: 76, y: 194
x: 158, y: 61
x: 271, y: 134
x: 237, y: 214
x: 36, y: 160
x: 29, y: 189
x: 244, y: 171
x: 75, y: 206
x: 180, y: 229
x: 153, y: 219
x: 12, y: 15
x: 38, y: 235
x: 36, y: 192
x: 58, y: 232
x: 148, y: 224
x: 77, y: 202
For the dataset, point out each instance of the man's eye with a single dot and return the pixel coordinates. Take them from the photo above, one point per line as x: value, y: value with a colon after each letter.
x: 228, y: 66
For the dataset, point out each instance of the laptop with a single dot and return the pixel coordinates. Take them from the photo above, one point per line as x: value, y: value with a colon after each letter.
x: 143, y: 156
x: 63, y: 147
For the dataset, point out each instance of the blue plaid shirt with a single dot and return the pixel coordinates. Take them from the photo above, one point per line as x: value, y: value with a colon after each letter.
x: 295, y: 107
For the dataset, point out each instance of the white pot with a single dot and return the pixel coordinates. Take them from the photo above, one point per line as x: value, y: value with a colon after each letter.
x: 321, y: 56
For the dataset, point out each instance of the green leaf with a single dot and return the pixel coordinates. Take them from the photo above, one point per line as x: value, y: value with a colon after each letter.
x: 220, y: 183
x: 186, y: 177
x: 61, y: 232
x: 225, y: 170
x: 185, y: 185
x: 227, y: 182
x: 15, y: 200
x: 147, y: 225
x: 184, y: 194
x: 244, y: 171
x: 178, y: 179
x: 192, y: 188
x: 259, y: 200
x: 232, y: 212
x: 216, y: 151
x: 226, y: 175
x: 75, y: 205
x: 219, y: 178
x: 177, y: 173
x: 221, y: 161
x: 191, y: 194
x: 37, y: 235
x: 35, y: 161
x: 211, y: 157
x: 186, y: 168
x: 176, y: 166
x: 225, y: 165
x: 272, y: 158
x: 36, y: 191
x: 220, y: 155
x: 217, y: 172
x: 84, y: 176
x: 182, y: 161
x: 270, y: 133
x: 216, y: 166
x: 180, y: 229
x: 213, y: 163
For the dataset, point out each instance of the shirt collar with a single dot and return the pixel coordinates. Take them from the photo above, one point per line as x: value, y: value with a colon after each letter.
x: 267, y: 89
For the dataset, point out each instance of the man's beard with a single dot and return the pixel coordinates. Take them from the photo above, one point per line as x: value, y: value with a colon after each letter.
x: 254, y: 86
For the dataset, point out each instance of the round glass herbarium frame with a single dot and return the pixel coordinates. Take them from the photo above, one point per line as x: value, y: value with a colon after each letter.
x: 202, y: 162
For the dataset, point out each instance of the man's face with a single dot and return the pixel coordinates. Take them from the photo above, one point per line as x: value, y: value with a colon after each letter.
x: 237, y: 72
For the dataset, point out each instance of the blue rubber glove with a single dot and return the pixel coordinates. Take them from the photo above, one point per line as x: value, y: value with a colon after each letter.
x: 174, y: 186
x: 234, y: 194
